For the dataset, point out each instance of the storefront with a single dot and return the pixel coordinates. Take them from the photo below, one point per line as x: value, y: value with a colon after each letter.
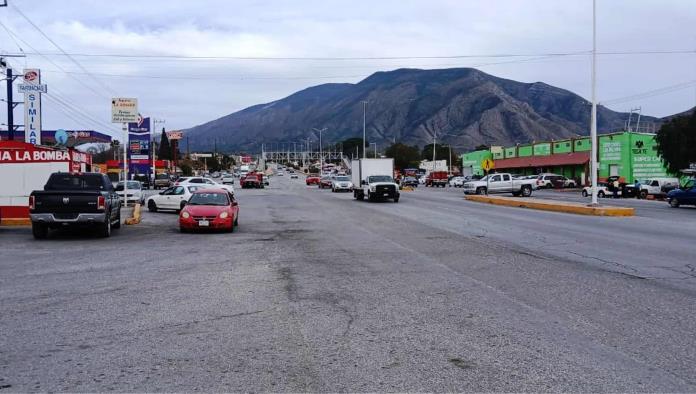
x: 25, y: 167
x: 629, y: 155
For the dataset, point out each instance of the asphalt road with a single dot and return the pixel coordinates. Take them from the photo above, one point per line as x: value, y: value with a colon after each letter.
x: 318, y: 292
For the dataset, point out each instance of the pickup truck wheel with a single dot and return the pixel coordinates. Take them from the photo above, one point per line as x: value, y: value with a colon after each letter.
x: 584, y: 193
x: 396, y: 199
x: 643, y: 194
x: 117, y: 223
x: 105, y: 228
x: 526, y: 191
x: 40, y: 231
x: 151, y: 206
x: 481, y: 190
x: 600, y: 194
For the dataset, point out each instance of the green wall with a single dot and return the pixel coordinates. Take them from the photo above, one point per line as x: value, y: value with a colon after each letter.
x: 542, y: 149
x: 582, y: 144
x: 510, y: 152
x: 474, y: 159
x: 524, y: 150
x: 564, y: 146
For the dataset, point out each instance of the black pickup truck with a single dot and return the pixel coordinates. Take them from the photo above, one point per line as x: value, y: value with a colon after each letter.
x: 73, y: 200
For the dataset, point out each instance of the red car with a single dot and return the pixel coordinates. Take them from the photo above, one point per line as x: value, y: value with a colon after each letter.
x: 312, y: 180
x: 325, y: 182
x: 212, y: 209
x: 251, y: 181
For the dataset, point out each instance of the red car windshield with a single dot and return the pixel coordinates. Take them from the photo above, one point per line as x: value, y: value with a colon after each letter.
x: 216, y: 199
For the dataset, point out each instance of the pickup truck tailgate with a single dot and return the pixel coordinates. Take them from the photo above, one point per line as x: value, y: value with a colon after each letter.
x: 72, y: 202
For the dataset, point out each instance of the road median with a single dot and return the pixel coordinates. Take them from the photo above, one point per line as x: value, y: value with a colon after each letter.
x: 554, y: 206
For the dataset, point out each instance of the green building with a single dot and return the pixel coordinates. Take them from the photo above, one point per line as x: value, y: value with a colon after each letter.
x: 629, y: 155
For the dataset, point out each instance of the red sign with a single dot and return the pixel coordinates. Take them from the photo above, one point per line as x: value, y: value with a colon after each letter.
x: 30, y: 76
x: 246, y: 159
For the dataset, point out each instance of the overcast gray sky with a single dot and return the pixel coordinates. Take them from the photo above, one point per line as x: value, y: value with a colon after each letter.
x: 187, y: 91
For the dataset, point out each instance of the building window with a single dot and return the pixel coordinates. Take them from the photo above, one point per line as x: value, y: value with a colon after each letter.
x: 567, y: 144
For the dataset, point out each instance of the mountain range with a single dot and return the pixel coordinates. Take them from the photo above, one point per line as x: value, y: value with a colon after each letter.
x: 463, y: 107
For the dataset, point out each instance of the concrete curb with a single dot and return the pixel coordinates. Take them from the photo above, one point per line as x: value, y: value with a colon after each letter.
x: 554, y: 206
x: 135, y: 219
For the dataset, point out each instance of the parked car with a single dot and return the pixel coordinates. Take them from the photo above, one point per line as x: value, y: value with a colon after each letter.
x: 457, y: 181
x: 500, y: 183
x: 685, y: 195
x: 144, y: 179
x: 312, y: 180
x: 266, y: 180
x: 163, y: 180
x: 567, y: 182
x: 293, y: 175
x: 74, y: 200
x: 602, y: 190
x: 135, y: 192
x: 547, y: 180
x: 325, y: 182
x: 211, y: 209
x: 173, y: 198
x: 341, y: 183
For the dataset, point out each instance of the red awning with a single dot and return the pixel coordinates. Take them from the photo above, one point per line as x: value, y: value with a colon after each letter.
x: 559, y: 159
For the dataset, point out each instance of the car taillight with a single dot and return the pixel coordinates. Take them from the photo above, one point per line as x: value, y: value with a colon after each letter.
x: 32, y: 203
x: 101, y: 203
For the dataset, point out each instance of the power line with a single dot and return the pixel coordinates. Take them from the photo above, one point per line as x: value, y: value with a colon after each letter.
x: 343, y: 58
x: 61, y: 49
x: 651, y: 93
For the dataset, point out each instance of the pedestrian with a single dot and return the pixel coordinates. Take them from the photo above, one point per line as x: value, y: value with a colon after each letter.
x: 615, y: 186
x: 636, y: 186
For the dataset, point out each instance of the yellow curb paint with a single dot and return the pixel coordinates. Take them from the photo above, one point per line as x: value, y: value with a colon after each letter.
x: 554, y: 206
x: 16, y: 222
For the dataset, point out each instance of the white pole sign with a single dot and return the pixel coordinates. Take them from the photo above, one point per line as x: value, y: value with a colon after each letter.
x: 124, y: 110
x: 32, y: 107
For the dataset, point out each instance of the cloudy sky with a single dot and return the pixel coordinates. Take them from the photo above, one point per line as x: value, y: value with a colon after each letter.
x: 189, y: 62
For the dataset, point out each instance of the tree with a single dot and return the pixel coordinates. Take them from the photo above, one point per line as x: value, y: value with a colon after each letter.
x: 676, y: 141
x: 165, y: 149
x: 350, y: 144
x: 404, y: 156
x: 442, y: 152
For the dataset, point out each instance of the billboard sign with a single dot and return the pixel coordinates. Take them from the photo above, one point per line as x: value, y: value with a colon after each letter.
x: 139, y: 146
x: 28, y: 88
x: 32, y: 106
x: 124, y: 110
x: 175, y: 135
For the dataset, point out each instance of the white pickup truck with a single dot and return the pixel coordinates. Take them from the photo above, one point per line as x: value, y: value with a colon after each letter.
x: 500, y: 183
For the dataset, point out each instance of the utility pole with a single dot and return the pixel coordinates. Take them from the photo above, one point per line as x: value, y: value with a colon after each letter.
x: 364, y: 129
x: 321, y: 155
x: 434, y: 139
x: 593, y: 125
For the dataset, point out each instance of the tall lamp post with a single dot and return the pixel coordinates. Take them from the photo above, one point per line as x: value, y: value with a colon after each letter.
x: 155, y: 121
x: 375, y: 144
x: 321, y: 155
x: 593, y: 125
x: 364, y: 102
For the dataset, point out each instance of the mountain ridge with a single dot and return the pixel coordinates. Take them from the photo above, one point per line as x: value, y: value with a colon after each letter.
x: 464, y: 107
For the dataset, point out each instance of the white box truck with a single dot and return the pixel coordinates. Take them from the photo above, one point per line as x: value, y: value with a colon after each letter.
x: 373, y: 178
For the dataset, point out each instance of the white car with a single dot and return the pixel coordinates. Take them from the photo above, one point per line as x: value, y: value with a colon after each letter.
x: 172, y: 198
x: 293, y: 175
x: 206, y: 182
x: 135, y: 192
x: 457, y: 181
x: 341, y: 183
x: 602, y: 190
x: 228, y: 179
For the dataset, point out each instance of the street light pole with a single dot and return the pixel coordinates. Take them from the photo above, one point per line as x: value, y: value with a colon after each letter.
x: 364, y: 128
x: 375, y: 144
x: 434, y: 140
x: 321, y: 155
x: 593, y: 125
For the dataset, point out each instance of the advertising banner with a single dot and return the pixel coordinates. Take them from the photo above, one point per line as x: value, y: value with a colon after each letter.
x: 139, y: 146
x: 124, y: 110
x: 32, y: 107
